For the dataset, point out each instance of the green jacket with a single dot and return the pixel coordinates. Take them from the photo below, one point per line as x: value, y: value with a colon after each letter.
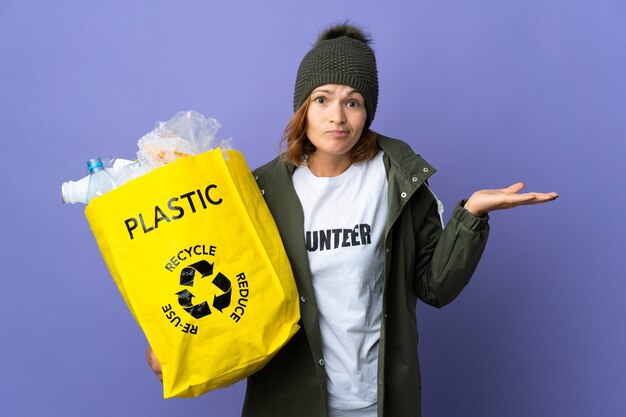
x: 422, y: 261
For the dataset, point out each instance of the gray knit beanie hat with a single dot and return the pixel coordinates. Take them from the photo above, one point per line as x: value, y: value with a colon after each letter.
x: 341, y: 55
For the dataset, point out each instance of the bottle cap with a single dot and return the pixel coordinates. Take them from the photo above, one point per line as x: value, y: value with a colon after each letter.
x: 65, y: 193
x: 94, y: 164
x: 73, y: 192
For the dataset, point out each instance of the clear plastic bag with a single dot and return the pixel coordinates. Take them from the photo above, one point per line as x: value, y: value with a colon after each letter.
x: 186, y: 134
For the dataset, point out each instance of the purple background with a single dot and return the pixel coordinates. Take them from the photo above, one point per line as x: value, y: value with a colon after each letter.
x: 490, y: 92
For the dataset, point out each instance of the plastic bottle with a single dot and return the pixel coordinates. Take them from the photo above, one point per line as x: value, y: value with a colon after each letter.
x: 100, y: 180
x: 73, y: 192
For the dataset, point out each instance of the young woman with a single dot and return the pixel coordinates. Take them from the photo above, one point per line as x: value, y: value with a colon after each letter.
x: 365, y: 239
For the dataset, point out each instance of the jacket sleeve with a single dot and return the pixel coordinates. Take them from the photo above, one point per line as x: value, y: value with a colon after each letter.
x: 446, y: 259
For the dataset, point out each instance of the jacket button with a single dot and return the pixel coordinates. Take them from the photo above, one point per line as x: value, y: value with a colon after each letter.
x: 256, y: 177
x: 414, y: 179
x: 387, y: 250
x: 403, y: 195
x: 321, y: 362
x: 425, y: 170
x: 263, y: 192
x: 303, y: 298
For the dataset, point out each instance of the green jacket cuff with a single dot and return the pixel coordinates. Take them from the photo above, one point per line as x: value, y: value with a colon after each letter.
x: 467, y: 219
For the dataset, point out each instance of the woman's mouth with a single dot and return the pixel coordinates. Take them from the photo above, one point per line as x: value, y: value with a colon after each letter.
x: 338, y: 133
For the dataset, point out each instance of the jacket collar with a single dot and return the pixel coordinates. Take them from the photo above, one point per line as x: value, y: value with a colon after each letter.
x: 406, y: 170
x: 407, y: 164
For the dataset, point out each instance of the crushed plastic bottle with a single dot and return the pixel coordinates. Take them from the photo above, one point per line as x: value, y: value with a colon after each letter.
x: 73, y: 192
x: 100, y: 179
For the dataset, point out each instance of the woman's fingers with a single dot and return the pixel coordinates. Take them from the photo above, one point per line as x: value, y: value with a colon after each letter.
x: 515, y: 188
x: 154, y: 363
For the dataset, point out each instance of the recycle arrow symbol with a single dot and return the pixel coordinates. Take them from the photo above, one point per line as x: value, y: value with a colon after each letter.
x: 197, y: 311
x: 220, y: 302
x: 188, y: 274
x: 222, y: 282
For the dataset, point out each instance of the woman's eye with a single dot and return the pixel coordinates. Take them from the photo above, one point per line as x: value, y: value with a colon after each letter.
x: 320, y: 100
x: 353, y: 103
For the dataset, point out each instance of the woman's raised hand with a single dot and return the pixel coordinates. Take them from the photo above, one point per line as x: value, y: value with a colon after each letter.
x: 484, y: 201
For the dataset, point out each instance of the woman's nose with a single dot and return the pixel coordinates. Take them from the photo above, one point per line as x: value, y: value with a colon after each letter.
x: 337, y: 114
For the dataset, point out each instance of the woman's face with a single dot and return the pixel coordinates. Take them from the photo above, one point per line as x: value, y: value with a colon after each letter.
x: 334, y: 121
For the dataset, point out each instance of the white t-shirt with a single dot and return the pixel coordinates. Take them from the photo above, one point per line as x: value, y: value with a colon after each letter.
x: 344, y: 224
